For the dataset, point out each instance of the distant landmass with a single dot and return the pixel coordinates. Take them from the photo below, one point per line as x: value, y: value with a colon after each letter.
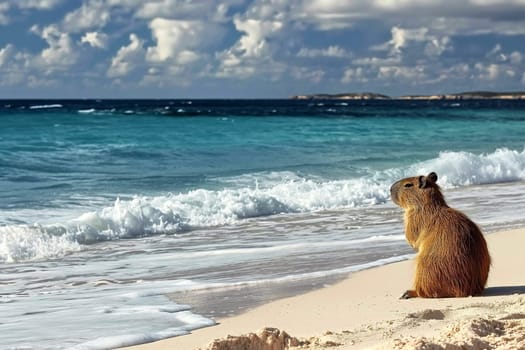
x: 471, y: 95
x: 344, y: 96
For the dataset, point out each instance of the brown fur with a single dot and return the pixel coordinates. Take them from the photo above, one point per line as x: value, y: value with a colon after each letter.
x: 453, y: 259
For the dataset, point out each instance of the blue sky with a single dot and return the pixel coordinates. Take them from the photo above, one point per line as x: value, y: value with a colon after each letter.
x: 258, y: 48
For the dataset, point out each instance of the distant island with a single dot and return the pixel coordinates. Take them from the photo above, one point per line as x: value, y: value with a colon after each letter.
x: 344, y: 96
x: 471, y: 95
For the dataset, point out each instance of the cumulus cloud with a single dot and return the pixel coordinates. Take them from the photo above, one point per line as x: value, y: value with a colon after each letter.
x: 182, y: 9
x: 4, y: 19
x: 403, y: 37
x: 262, y: 29
x: 315, y: 75
x: 254, y: 42
x: 61, y: 51
x: 516, y: 57
x: 411, y: 55
x: 376, y: 42
x: 377, y: 61
x: 488, y: 71
x: 93, y: 14
x: 330, y: 51
x: 212, y: 10
x: 352, y: 75
x: 499, y: 55
x: 406, y: 73
x: 436, y: 46
x: 175, y: 40
x: 127, y: 58
x: 37, y: 4
x: 252, y: 51
x: 5, y: 54
x: 449, y: 17
x: 95, y: 39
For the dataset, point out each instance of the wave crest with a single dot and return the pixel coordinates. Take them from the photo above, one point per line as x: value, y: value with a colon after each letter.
x: 256, y: 195
x: 457, y: 169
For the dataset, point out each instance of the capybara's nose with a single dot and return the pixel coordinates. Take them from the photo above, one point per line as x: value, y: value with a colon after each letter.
x: 393, y: 191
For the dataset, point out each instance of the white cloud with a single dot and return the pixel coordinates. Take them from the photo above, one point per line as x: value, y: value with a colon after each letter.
x: 252, y: 53
x: 127, y: 58
x: 495, y: 50
x: 488, y: 72
x: 377, y: 61
x: 523, y: 79
x: 236, y: 71
x: 60, y: 52
x: 262, y: 39
x: 253, y: 43
x: 302, y: 73
x: 458, y: 71
x: 465, y: 17
x: 403, y: 38
x: 210, y: 10
x: 352, y: 75
x: 36, y: 4
x: 397, y: 72
x: 510, y: 73
x: 497, y: 54
x: 4, y: 7
x: 176, y: 40
x: 95, y: 39
x: 516, y: 57
x: 173, y: 9
x: 330, y: 51
x: 5, y: 54
x: 436, y: 46
x: 94, y: 14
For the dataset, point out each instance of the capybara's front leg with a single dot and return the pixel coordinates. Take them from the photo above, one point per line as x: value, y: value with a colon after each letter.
x: 409, y: 294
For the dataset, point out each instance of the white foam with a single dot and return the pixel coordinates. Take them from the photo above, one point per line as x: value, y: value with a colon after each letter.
x: 248, y: 196
x: 457, y: 169
x: 86, y: 111
x: 56, y: 105
x: 22, y: 243
x: 191, y: 320
x: 95, y: 318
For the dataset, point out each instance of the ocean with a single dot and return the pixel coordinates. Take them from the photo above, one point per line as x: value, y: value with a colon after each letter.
x: 129, y: 221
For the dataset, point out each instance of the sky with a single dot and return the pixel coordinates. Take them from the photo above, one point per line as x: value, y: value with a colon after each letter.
x: 258, y: 48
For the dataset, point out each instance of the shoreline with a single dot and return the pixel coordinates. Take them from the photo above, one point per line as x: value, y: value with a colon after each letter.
x: 364, y: 310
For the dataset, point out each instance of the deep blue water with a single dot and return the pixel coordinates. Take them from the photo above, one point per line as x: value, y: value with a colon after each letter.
x: 112, y: 198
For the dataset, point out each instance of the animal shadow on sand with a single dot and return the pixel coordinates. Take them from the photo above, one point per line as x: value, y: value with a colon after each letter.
x: 501, y: 291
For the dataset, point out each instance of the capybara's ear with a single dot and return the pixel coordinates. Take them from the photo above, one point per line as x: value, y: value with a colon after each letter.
x: 422, y: 181
x: 426, y: 181
x: 432, y: 177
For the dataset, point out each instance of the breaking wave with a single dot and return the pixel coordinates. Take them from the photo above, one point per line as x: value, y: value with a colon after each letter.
x: 249, y: 196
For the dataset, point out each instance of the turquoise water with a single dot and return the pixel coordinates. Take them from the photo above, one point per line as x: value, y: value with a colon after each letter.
x: 125, y: 201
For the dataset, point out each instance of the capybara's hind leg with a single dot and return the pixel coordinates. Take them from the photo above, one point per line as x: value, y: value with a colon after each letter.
x: 409, y: 294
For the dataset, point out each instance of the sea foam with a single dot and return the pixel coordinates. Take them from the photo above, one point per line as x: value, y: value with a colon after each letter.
x: 457, y: 169
x: 56, y: 105
x: 253, y: 195
x: 23, y: 243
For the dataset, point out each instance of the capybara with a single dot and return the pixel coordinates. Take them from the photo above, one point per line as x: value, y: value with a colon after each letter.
x: 452, y: 256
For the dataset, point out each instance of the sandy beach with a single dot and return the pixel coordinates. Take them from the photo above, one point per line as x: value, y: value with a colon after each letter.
x: 364, y: 311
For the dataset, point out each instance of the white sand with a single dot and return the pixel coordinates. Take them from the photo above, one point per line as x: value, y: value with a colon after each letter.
x: 364, y: 311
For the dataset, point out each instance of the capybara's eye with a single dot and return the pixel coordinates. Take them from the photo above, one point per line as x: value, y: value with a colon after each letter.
x: 409, y: 185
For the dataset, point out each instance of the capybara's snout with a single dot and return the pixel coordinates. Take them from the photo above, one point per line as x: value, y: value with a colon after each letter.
x: 394, y: 189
